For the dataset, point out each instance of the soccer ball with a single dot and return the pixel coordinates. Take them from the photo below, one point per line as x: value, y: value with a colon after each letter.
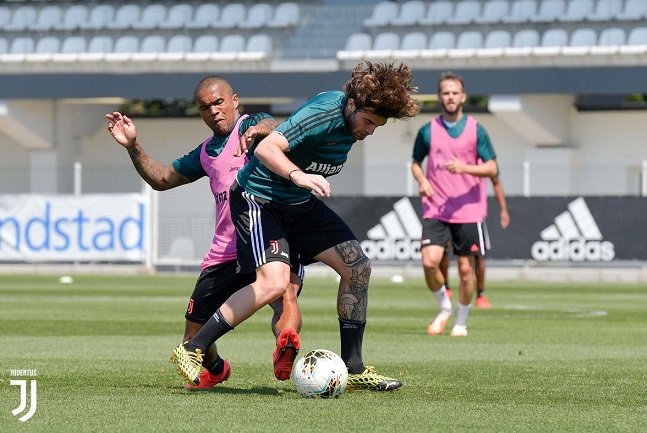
x: 320, y: 373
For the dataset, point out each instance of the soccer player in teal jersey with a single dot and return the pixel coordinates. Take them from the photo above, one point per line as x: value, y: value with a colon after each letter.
x: 276, y: 213
x: 213, y: 158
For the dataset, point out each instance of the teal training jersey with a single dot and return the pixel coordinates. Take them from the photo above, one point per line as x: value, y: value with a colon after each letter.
x: 189, y: 165
x: 319, y: 144
x: 484, y: 148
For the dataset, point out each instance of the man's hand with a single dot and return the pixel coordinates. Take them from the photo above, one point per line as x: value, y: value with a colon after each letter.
x: 247, y: 140
x: 504, y: 219
x: 425, y: 189
x: 455, y: 166
x: 122, y: 129
x: 313, y: 182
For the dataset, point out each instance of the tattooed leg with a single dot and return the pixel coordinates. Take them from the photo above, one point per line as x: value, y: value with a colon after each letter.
x: 355, y: 273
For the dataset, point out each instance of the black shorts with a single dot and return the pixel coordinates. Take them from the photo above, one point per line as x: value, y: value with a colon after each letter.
x: 270, y: 231
x: 466, y: 239
x: 216, y: 284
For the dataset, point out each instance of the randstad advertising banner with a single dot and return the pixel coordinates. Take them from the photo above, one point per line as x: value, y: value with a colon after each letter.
x: 543, y: 229
x: 93, y: 227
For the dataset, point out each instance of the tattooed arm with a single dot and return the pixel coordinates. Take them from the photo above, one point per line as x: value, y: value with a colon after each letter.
x: 159, y: 176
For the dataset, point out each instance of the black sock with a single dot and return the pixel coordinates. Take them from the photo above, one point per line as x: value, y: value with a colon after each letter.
x: 215, y: 328
x: 479, y: 292
x: 217, y: 366
x: 352, y: 335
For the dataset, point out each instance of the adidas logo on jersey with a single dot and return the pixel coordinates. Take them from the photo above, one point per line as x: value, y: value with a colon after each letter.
x: 397, y: 237
x: 575, y: 236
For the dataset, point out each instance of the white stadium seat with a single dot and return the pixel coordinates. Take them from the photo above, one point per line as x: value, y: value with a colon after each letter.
x: 414, y: 41
x: 493, y: 11
x: 22, y: 17
x: 382, y: 14
x: 73, y: 18
x: 205, y: 15
x: 384, y: 45
x: 552, y: 42
x: 4, y: 46
x: 410, y: 13
x: 580, y: 41
x: 634, y: 10
x: 606, y: 10
x: 466, y: 12
x: 356, y: 45
x: 231, y: 16
x: 549, y: 11
x: 5, y: 16
x: 257, y: 16
x: 123, y: 49
x: 125, y: 17
x: 285, y: 15
x: 152, y: 16
x: 437, y: 13
x: 100, y: 16
x: 609, y: 41
x: 203, y: 46
x: 578, y: 10
x: 48, y: 17
x: 71, y: 47
x: 258, y: 47
x: 178, y: 16
x: 521, y: 11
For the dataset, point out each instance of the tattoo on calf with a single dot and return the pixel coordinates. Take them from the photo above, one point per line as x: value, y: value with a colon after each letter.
x: 353, y: 299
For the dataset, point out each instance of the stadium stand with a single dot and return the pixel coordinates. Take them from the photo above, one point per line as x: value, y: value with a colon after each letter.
x: 512, y: 31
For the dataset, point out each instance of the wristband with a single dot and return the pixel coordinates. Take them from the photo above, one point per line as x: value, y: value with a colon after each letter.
x: 290, y: 173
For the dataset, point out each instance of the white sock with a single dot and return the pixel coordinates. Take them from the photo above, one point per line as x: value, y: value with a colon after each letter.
x: 443, y: 299
x: 461, y: 314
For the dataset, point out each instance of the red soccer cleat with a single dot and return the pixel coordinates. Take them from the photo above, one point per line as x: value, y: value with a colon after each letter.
x: 208, y: 380
x: 482, y: 302
x: 287, y: 347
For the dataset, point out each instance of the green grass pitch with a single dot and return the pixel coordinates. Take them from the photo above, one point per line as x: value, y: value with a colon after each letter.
x: 546, y: 358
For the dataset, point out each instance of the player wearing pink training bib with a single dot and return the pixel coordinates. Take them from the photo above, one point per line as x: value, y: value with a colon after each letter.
x: 215, y: 158
x: 450, y: 188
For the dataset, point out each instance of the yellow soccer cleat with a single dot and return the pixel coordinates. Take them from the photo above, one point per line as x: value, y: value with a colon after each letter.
x: 189, y: 364
x: 369, y: 379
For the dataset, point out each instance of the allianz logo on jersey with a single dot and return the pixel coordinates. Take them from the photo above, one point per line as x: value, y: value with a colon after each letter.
x: 575, y: 236
x: 397, y: 236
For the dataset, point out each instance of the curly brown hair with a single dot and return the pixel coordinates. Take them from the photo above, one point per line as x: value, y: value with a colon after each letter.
x: 383, y: 89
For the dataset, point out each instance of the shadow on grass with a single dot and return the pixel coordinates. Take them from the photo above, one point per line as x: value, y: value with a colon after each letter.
x: 257, y: 390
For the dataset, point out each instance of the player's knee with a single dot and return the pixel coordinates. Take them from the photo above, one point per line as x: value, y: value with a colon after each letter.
x: 359, y: 272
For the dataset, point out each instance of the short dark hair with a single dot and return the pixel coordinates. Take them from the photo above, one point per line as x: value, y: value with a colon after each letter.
x: 210, y: 81
x: 383, y: 89
x: 450, y: 76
